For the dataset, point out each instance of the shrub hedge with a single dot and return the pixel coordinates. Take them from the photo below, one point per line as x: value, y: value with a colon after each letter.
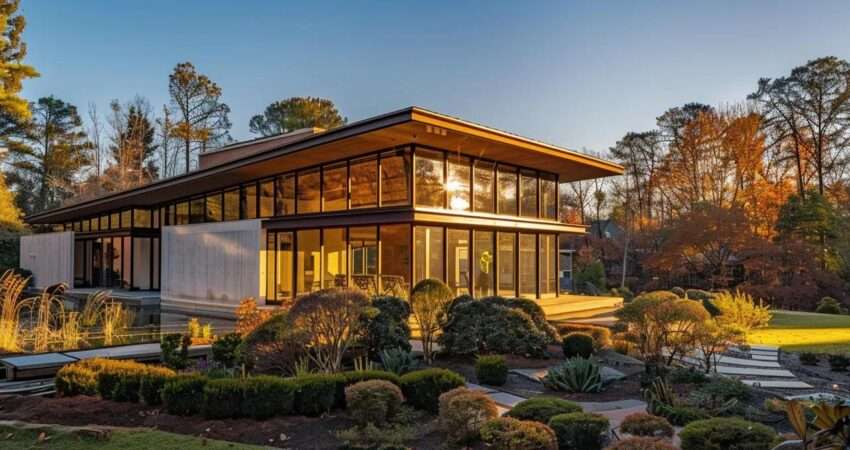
x: 223, y: 398
x: 76, y: 379
x: 268, y: 396
x: 726, y: 433
x: 541, y: 409
x: 506, y: 433
x: 422, y: 388
x: 580, y: 430
x: 316, y: 394
x: 491, y: 369
x: 183, y: 395
x: 601, y: 335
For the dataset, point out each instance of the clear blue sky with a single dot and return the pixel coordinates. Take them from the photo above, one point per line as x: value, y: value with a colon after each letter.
x: 577, y: 74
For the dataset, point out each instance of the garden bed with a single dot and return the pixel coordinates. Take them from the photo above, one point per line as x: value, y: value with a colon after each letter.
x: 299, y: 432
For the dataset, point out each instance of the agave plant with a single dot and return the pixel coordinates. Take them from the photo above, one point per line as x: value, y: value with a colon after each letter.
x: 659, y: 395
x: 575, y: 375
x: 398, y: 361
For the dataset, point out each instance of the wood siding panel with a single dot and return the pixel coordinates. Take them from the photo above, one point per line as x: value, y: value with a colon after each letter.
x: 50, y: 258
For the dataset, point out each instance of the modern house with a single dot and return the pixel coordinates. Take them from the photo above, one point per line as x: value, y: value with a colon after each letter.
x: 378, y: 204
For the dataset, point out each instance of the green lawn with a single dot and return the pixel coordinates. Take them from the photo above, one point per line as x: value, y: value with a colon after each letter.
x: 27, y: 437
x: 805, y: 332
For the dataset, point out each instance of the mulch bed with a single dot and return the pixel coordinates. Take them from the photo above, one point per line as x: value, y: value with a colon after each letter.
x: 287, y: 432
x: 820, y: 376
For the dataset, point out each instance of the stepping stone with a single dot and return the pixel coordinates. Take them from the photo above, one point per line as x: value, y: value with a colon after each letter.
x: 478, y: 387
x: 778, y: 384
x: 608, y: 374
x: 818, y: 397
x: 765, y: 357
x: 613, y: 405
x: 779, y: 373
x: 505, y: 399
x: 730, y: 361
x: 531, y: 374
x: 764, y: 347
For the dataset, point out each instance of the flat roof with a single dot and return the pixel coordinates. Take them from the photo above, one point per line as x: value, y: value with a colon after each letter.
x: 412, y: 125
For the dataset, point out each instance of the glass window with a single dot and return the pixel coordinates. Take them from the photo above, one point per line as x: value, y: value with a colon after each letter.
x: 457, y: 256
x: 95, y: 224
x: 126, y: 251
x: 157, y: 217
x: 267, y: 198
x: 172, y: 215
x: 114, y: 221
x: 214, y: 211
x: 335, y: 262
x: 428, y: 253
x: 116, y: 261
x: 196, y: 210
x: 231, y: 204
x: 285, y: 196
x: 141, y: 263
x: 528, y: 194
x: 364, y: 183
x: 280, y: 266
x: 395, y: 178
x: 506, y: 260
x: 335, y: 188
x: 482, y: 264
x: 308, y: 191
x: 483, y: 187
x: 429, y: 180
x: 507, y: 189
x: 126, y: 218
x: 364, y: 258
x: 104, y: 222
x: 395, y: 260
x: 248, y: 201
x: 85, y: 226
x: 527, y: 265
x: 548, y: 197
x: 141, y: 218
x: 182, y: 216
x: 547, y: 264
x: 309, y: 262
x: 458, y: 182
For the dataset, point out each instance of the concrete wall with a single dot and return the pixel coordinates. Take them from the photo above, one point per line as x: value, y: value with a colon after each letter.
x: 210, y: 267
x: 50, y: 258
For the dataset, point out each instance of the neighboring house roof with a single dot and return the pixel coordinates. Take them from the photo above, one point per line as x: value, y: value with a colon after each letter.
x: 267, y: 156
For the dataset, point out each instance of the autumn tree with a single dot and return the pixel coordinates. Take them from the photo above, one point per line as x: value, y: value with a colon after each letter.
x: 201, y: 116
x: 47, y: 153
x: 294, y: 113
x: 10, y: 214
x: 132, y: 145
x: 12, y: 69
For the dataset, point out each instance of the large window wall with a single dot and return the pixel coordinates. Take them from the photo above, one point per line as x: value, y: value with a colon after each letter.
x: 121, y: 262
x: 384, y: 259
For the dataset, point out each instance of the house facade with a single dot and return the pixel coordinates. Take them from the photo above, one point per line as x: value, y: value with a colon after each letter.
x: 379, y: 204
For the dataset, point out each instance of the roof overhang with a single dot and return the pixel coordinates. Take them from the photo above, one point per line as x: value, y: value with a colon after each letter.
x: 403, y: 127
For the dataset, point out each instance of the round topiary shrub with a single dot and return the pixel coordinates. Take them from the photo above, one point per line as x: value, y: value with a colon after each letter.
x: 422, y: 388
x: 643, y: 424
x: 506, y: 433
x: 586, y: 431
x: 726, y: 433
x: 463, y: 412
x: 373, y: 402
x: 491, y: 369
x: 829, y: 305
x: 541, y: 409
x: 601, y: 335
x: 578, y: 344
x: 641, y: 443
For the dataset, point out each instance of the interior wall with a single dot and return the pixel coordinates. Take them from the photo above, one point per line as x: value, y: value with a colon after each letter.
x: 211, y: 266
x: 50, y: 258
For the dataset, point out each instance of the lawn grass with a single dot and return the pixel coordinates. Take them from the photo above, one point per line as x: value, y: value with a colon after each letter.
x: 805, y: 332
x: 22, y: 436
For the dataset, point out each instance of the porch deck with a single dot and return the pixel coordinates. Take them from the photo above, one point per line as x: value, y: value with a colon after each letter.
x: 583, y: 308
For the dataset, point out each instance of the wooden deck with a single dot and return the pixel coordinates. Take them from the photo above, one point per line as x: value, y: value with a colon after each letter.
x: 579, y: 307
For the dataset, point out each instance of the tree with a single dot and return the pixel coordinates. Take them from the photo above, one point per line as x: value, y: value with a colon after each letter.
x: 47, y: 153
x: 12, y: 70
x: 10, y: 214
x: 812, y: 219
x: 132, y: 147
x: 201, y: 116
x: 333, y: 319
x: 294, y: 113
x: 428, y: 301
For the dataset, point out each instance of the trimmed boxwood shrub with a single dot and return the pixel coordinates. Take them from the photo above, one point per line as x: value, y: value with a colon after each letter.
x: 268, y: 396
x: 356, y: 376
x: 225, y: 349
x: 75, y: 379
x: 643, y: 424
x: 726, y: 433
x: 223, y: 398
x: 505, y: 433
x: 463, y: 412
x: 183, y: 395
x: 541, y: 409
x: 578, y: 344
x: 491, y: 369
x: 316, y: 394
x: 373, y: 402
x: 642, y: 443
x: 580, y: 430
x: 151, y: 384
x: 724, y: 389
x: 601, y: 335
x: 422, y: 388
x: 120, y: 380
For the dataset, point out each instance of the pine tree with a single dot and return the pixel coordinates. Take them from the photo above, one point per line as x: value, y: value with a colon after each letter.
x: 294, y: 113
x: 12, y: 52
